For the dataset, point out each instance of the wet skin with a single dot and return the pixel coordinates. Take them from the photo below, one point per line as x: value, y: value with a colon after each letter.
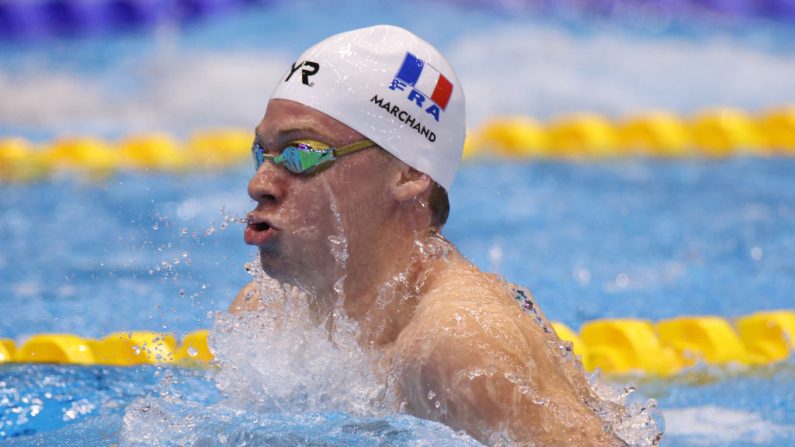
x: 462, y: 350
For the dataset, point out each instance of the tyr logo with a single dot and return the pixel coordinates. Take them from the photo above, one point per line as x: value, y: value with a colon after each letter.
x: 310, y: 69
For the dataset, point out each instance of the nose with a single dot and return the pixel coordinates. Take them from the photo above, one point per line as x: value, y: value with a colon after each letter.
x: 267, y: 186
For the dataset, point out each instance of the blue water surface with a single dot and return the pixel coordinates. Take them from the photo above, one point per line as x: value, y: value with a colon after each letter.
x: 627, y: 238
x: 635, y: 238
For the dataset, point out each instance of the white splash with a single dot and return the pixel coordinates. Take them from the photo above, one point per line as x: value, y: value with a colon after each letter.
x: 284, y: 361
x: 637, y: 423
x: 284, y: 376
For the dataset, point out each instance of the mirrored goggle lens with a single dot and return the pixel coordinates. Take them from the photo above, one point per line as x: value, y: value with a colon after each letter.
x: 303, y: 159
x: 299, y: 158
x: 258, y: 153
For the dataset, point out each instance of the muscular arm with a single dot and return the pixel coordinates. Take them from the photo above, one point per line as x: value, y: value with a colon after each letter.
x: 482, y: 368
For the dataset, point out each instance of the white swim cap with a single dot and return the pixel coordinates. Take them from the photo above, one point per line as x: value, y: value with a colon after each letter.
x: 390, y: 86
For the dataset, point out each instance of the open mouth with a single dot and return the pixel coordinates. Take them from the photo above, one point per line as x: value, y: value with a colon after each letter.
x: 258, y: 231
x: 259, y: 226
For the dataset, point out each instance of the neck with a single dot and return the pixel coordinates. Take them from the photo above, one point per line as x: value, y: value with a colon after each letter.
x: 384, y: 279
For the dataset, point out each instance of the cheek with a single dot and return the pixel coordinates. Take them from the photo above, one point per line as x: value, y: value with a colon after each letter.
x: 310, y: 212
x: 363, y: 196
x: 365, y: 208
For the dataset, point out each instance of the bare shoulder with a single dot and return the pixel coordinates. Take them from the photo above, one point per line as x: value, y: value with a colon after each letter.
x: 474, y: 359
x: 473, y: 305
x: 246, y: 300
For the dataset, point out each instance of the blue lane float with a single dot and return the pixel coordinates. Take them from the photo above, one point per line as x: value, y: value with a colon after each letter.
x: 31, y: 19
x: 25, y: 19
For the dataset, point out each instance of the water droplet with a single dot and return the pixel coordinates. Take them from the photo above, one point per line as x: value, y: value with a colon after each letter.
x: 582, y: 275
x: 155, y: 226
x: 543, y: 401
x: 757, y: 253
x: 431, y: 395
x: 495, y: 254
x: 622, y: 280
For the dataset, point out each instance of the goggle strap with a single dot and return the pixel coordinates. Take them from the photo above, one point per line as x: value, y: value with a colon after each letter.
x: 353, y: 147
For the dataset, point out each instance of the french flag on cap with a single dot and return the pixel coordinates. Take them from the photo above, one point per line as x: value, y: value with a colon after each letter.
x: 426, y: 79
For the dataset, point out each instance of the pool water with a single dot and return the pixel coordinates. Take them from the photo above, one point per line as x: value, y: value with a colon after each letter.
x: 627, y: 238
x: 617, y: 238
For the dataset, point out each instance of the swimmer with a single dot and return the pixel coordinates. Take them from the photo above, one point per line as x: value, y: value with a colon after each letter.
x: 355, y: 155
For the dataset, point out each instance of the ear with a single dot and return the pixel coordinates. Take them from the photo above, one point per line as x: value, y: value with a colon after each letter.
x: 408, y: 183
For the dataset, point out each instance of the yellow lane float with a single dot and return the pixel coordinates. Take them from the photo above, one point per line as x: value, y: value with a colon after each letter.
x: 711, y: 133
x: 708, y: 339
x: 151, y: 151
x: 220, y: 148
x: 194, y: 348
x: 19, y: 161
x: 513, y: 137
x: 56, y: 348
x: 7, y: 350
x: 777, y: 128
x: 654, y: 133
x: 614, y: 346
x: 135, y: 348
x: 93, y: 155
x: 769, y: 336
x: 721, y: 132
x: 582, y: 135
x: 627, y: 345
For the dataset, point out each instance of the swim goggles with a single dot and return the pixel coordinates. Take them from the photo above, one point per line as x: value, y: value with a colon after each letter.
x: 306, y: 156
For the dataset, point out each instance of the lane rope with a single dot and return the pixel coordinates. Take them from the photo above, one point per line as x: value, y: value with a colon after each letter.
x: 712, y: 134
x: 614, y: 346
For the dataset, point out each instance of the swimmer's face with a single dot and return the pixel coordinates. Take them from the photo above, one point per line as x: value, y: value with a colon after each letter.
x: 304, y: 225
